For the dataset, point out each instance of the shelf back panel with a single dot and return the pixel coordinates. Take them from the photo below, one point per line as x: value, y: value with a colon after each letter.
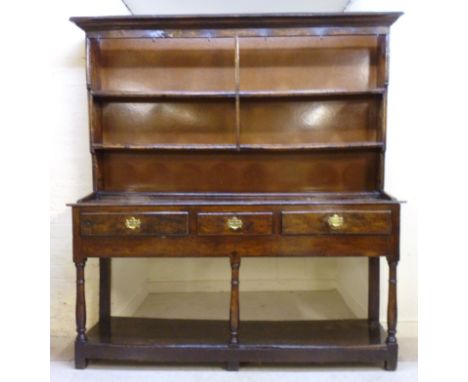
x: 172, y: 122
x: 144, y: 65
x: 329, y: 171
x: 312, y: 62
x: 309, y: 121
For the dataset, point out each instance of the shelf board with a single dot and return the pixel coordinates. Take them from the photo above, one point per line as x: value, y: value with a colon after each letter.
x: 117, y: 95
x: 175, y: 340
x: 242, y: 147
x: 163, y: 147
x: 310, y: 93
x: 182, y: 332
x: 314, y: 146
x: 104, y: 198
x: 125, y: 95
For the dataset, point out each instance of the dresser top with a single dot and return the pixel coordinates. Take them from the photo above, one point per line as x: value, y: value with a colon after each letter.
x: 352, y: 19
x: 174, y: 199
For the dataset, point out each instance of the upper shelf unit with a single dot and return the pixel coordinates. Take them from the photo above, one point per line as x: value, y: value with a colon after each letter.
x: 151, y: 91
x: 257, y: 122
x: 248, y: 66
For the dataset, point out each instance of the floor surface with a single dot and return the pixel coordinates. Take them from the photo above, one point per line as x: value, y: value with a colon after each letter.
x: 258, y: 305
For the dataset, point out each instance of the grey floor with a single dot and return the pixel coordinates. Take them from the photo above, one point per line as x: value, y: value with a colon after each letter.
x: 254, y: 305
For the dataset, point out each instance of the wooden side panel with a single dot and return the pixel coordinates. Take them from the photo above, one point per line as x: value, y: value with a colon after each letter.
x: 315, y: 62
x: 247, y: 171
x: 142, y: 65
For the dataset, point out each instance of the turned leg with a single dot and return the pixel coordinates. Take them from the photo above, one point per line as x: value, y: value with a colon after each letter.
x: 373, y: 305
x: 234, y: 315
x: 104, y: 295
x: 80, y: 361
x: 391, y: 341
x: 234, y: 306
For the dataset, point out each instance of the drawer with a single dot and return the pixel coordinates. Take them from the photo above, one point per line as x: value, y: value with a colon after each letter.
x: 336, y: 222
x: 235, y: 223
x: 134, y: 224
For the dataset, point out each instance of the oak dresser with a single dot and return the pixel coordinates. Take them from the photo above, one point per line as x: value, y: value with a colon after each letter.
x: 235, y: 136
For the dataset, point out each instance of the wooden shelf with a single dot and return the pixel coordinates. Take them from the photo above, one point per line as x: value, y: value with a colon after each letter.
x: 233, y: 147
x: 103, y: 198
x: 310, y: 93
x: 260, y: 341
x: 180, y: 332
x: 124, y: 95
x: 162, y: 147
x: 314, y: 146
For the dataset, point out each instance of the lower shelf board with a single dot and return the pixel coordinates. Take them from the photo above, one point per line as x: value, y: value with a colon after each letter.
x: 177, y: 340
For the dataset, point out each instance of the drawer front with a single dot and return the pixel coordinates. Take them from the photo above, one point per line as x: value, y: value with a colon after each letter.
x: 336, y: 222
x: 236, y: 223
x: 137, y: 224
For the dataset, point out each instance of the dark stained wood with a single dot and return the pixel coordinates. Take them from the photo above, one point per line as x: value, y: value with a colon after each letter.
x: 245, y: 245
x: 112, y: 95
x: 77, y: 255
x: 162, y: 223
x: 237, y: 136
x: 285, y: 171
x: 104, y: 292
x: 317, y: 199
x: 93, y: 61
x: 373, y: 295
x: 257, y: 243
x: 392, y: 302
x: 159, y: 340
x: 217, y: 223
x: 353, y: 222
x: 257, y: 21
x: 234, y: 310
x: 181, y: 332
x: 80, y: 301
x: 391, y: 341
x: 255, y: 147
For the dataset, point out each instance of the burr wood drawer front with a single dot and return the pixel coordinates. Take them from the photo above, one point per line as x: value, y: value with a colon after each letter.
x: 171, y: 223
x: 336, y: 222
x: 235, y: 223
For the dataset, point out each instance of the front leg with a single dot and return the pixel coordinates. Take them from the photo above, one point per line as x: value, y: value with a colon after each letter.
x: 80, y: 361
x: 392, y: 345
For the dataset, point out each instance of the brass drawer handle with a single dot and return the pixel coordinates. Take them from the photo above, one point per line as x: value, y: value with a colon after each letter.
x: 234, y: 223
x: 132, y: 223
x: 335, y: 221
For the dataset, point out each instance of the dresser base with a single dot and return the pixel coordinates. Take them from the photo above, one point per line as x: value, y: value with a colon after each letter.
x: 206, y: 341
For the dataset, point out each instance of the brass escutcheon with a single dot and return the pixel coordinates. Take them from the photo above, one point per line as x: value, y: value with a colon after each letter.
x: 335, y: 221
x: 234, y: 223
x: 132, y: 223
